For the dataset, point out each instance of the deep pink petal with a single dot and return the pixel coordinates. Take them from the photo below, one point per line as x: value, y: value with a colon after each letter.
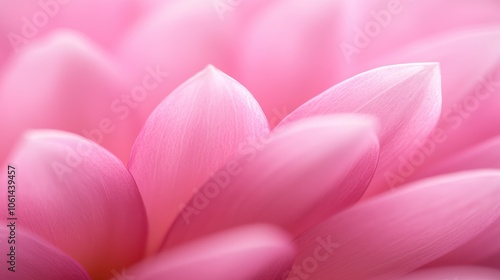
x: 252, y: 252
x: 299, y: 177
x: 187, y: 138
x: 406, y: 99
x: 494, y: 261
x: 455, y: 273
x: 36, y: 259
x: 397, y: 232
x: 79, y: 197
x: 65, y: 82
x: 476, y: 251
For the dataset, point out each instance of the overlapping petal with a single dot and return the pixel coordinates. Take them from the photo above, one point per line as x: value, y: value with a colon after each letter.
x: 484, y: 155
x: 378, y: 28
x: 299, y: 177
x: 65, y: 82
x: 181, y: 37
x: 296, y: 49
x: 187, y: 138
x: 251, y: 252
x: 398, y: 232
x: 470, y: 66
x: 79, y: 197
x: 36, y: 259
x: 405, y: 98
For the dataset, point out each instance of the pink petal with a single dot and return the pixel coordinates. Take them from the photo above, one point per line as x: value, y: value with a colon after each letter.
x: 35, y: 259
x: 492, y: 262
x: 81, y: 92
x: 22, y: 22
x: 286, y: 55
x: 79, y: 197
x: 252, y: 252
x: 398, y: 232
x: 180, y: 37
x: 390, y: 25
x: 297, y: 179
x: 455, y: 273
x: 484, y: 155
x: 479, y: 249
x: 296, y: 49
x: 405, y: 98
x: 187, y: 138
x: 470, y: 62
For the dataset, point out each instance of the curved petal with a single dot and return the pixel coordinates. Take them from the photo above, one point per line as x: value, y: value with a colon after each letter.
x: 187, y: 138
x: 35, y: 259
x: 464, y: 56
x: 452, y: 273
x: 80, y: 198
x: 81, y: 92
x: 296, y: 49
x: 251, y: 252
x: 405, y: 98
x: 479, y: 249
x: 398, y: 232
x: 470, y: 67
x: 299, y: 177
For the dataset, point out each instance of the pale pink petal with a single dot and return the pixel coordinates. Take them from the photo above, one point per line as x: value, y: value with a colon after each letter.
x: 65, y: 82
x: 286, y: 56
x: 380, y: 27
x: 79, y: 197
x: 22, y: 22
x: 187, y: 138
x: 299, y: 177
x: 406, y: 99
x: 181, y: 38
x: 295, y: 49
x: 470, y: 64
x: 398, y: 232
x: 36, y: 259
x: 484, y: 155
x: 252, y: 252
x: 454, y: 273
x: 476, y: 48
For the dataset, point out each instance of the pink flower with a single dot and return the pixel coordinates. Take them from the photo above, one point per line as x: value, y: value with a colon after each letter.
x: 221, y: 197
x: 392, y: 173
